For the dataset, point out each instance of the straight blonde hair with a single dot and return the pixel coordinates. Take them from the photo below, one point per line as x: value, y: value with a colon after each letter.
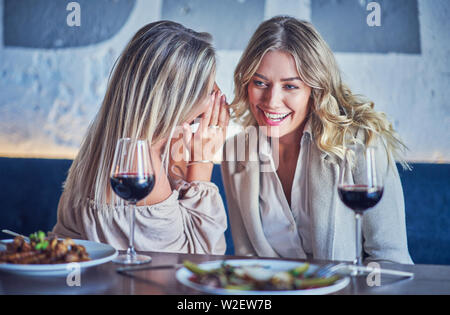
x: 164, y: 71
x: 336, y: 114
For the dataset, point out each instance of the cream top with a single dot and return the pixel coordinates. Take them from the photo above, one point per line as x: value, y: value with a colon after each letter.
x: 287, y: 228
x: 193, y: 223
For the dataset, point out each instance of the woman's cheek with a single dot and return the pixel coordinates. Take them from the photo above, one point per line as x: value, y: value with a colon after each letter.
x: 253, y: 100
x: 253, y: 95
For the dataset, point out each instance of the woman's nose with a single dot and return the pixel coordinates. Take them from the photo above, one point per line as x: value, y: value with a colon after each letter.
x: 273, y: 98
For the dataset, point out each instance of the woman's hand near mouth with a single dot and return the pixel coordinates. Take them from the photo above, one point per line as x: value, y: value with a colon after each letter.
x: 193, y: 151
x: 205, y: 143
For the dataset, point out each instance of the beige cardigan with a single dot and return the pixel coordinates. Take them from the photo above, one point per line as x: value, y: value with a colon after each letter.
x: 333, y: 225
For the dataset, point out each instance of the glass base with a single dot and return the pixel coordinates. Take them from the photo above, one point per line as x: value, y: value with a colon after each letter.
x: 356, y: 272
x: 132, y: 260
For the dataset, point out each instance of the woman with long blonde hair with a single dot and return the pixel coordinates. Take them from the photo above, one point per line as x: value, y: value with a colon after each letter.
x: 287, y: 82
x: 163, y: 79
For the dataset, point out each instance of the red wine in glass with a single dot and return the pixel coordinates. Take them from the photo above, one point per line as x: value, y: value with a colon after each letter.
x: 360, y: 198
x: 132, y: 187
x: 360, y: 186
x: 132, y: 179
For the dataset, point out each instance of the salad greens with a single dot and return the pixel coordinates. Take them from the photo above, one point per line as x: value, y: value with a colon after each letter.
x: 39, y: 239
x: 257, y: 277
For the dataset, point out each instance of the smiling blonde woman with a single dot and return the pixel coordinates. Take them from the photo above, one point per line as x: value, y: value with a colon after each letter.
x: 288, y: 83
x: 163, y: 79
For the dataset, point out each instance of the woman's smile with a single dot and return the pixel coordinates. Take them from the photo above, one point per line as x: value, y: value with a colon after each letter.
x: 277, y: 95
x: 274, y: 118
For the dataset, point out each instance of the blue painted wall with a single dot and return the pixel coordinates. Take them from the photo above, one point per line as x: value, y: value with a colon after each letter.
x: 43, y: 23
x: 340, y: 24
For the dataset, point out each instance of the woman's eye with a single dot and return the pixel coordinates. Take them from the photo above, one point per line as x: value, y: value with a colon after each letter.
x: 290, y: 87
x: 259, y: 83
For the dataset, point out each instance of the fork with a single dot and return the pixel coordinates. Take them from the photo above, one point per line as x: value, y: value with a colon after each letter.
x: 328, y: 270
x: 331, y: 269
x: 16, y: 234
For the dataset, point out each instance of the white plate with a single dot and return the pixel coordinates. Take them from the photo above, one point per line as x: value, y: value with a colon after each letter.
x: 98, y: 252
x: 184, y: 274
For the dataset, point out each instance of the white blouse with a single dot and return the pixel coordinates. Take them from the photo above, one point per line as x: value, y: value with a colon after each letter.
x: 288, y: 229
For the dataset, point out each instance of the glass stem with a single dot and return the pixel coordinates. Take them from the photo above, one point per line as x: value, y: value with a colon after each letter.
x: 358, y: 260
x: 131, y: 252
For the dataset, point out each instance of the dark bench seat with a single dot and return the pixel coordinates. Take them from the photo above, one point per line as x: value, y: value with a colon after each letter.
x: 31, y: 189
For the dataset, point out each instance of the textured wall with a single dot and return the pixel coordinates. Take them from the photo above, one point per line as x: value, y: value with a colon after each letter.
x: 43, y: 23
x: 53, y: 77
x: 340, y: 24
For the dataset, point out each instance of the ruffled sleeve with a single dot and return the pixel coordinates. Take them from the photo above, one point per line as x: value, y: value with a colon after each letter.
x: 191, y: 220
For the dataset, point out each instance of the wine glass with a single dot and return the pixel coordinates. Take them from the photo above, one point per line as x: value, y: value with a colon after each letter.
x: 360, y: 187
x: 132, y: 179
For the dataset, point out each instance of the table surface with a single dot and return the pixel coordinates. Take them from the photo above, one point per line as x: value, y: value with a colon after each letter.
x: 104, y: 279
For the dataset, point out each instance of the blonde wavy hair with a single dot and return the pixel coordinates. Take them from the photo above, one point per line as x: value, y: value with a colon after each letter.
x: 164, y: 71
x: 336, y: 114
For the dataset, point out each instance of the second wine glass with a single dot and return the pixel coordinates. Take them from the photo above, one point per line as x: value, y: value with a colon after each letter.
x: 360, y: 186
x: 132, y: 179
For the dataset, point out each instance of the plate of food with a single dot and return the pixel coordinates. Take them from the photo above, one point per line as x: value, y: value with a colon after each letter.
x: 43, y: 255
x: 258, y: 277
